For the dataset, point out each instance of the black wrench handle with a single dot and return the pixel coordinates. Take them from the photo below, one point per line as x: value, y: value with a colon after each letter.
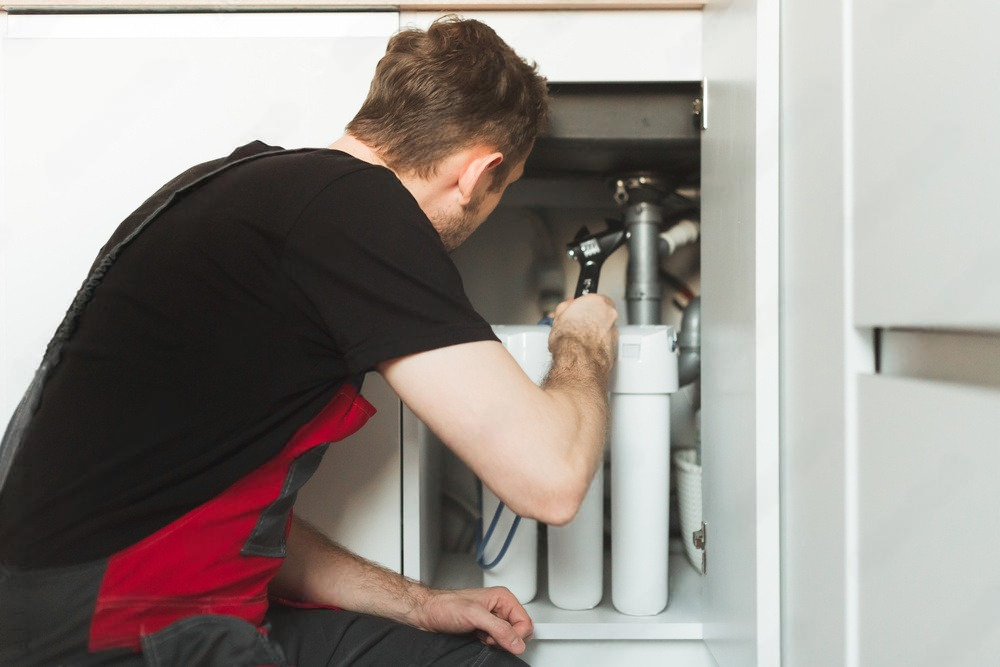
x: 590, y: 273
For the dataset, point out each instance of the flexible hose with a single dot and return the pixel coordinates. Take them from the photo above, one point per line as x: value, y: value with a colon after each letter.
x: 483, y: 540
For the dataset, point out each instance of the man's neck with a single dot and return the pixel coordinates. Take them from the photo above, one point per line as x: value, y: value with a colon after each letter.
x: 423, y: 190
x: 357, y: 148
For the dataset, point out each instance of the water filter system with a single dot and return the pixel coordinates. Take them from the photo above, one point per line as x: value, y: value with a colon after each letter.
x: 644, y: 377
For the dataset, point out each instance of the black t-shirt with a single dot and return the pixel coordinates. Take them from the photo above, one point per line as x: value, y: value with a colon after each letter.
x: 226, y: 324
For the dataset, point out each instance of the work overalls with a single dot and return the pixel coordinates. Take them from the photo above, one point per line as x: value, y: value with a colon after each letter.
x: 195, y: 591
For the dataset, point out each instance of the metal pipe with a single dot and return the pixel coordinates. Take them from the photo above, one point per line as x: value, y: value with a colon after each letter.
x: 689, y: 342
x: 642, y: 287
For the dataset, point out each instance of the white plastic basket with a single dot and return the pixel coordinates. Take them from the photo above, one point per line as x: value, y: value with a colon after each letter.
x: 688, y: 472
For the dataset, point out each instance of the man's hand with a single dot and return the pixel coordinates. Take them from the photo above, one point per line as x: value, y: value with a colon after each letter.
x: 319, y: 571
x: 586, y: 326
x: 494, y: 614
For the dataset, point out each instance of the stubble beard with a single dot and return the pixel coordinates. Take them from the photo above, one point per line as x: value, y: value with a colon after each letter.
x: 455, y: 228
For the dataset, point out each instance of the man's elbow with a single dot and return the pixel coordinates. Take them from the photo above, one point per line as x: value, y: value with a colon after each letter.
x: 563, y: 501
x: 560, y: 515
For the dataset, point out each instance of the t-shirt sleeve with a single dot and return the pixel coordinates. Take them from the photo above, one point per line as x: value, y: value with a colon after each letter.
x: 375, y: 272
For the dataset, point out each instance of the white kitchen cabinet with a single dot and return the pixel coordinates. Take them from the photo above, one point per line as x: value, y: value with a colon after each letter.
x: 129, y: 100
x: 891, y: 358
x: 925, y: 167
x: 929, y: 591
x: 927, y: 283
x: 731, y: 616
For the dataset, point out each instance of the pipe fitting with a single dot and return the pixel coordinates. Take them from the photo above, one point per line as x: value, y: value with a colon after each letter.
x: 683, y: 233
x: 689, y: 343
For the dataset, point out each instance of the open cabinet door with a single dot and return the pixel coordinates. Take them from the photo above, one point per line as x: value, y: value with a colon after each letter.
x: 740, y: 332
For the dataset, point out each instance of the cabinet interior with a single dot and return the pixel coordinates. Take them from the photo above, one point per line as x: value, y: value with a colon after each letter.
x: 515, y: 267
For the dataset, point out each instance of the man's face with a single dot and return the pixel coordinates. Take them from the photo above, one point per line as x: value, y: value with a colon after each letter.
x: 455, y: 226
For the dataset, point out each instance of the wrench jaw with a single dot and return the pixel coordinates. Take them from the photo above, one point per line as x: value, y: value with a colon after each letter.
x: 590, y: 251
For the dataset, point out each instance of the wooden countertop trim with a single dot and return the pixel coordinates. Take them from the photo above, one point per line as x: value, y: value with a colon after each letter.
x: 318, y: 5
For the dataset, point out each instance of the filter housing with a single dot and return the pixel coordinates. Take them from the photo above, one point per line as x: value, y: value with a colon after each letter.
x: 645, y: 375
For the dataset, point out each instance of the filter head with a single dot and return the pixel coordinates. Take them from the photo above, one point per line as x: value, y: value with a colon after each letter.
x: 529, y: 345
x: 647, y: 360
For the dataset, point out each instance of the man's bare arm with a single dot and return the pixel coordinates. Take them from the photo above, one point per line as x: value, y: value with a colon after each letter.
x: 537, y: 448
x: 319, y: 571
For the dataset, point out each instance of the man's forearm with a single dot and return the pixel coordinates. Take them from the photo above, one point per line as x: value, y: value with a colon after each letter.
x: 579, y: 375
x: 319, y: 571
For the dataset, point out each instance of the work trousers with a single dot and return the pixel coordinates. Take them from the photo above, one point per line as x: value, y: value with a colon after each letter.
x: 45, y: 617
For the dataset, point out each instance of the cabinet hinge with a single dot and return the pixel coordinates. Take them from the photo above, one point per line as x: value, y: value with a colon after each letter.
x: 700, y: 538
x: 699, y: 108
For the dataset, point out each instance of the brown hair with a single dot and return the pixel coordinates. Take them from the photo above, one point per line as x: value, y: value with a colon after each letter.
x: 447, y: 89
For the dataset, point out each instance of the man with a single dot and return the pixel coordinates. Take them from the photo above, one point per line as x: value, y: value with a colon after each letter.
x: 147, y: 479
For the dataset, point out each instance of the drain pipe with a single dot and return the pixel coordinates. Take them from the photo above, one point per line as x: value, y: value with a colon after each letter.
x: 641, y: 196
x: 689, y: 344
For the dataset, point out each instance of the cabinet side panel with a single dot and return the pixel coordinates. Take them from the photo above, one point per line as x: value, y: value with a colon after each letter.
x: 354, y: 497
x: 740, y: 333
x: 422, y: 517
x: 813, y: 335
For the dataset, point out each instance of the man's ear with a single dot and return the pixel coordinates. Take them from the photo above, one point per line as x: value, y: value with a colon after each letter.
x: 476, y: 168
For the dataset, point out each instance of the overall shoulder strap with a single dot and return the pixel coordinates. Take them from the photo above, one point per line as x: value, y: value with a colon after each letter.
x: 130, y: 228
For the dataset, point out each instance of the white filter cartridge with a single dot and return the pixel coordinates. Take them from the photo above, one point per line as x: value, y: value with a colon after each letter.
x: 576, y: 553
x: 529, y: 345
x: 645, y: 375
x: 518, y: 570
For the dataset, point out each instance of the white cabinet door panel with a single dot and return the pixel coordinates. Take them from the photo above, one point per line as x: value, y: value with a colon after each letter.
x: 925, y: 169
x: 100, y: 110
x: 928, y: 516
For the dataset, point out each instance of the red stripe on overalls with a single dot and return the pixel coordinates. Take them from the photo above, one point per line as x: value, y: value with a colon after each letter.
x: 194, y: 565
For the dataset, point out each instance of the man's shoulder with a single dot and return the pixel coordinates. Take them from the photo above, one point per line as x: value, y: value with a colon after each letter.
x: 324, y: 165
